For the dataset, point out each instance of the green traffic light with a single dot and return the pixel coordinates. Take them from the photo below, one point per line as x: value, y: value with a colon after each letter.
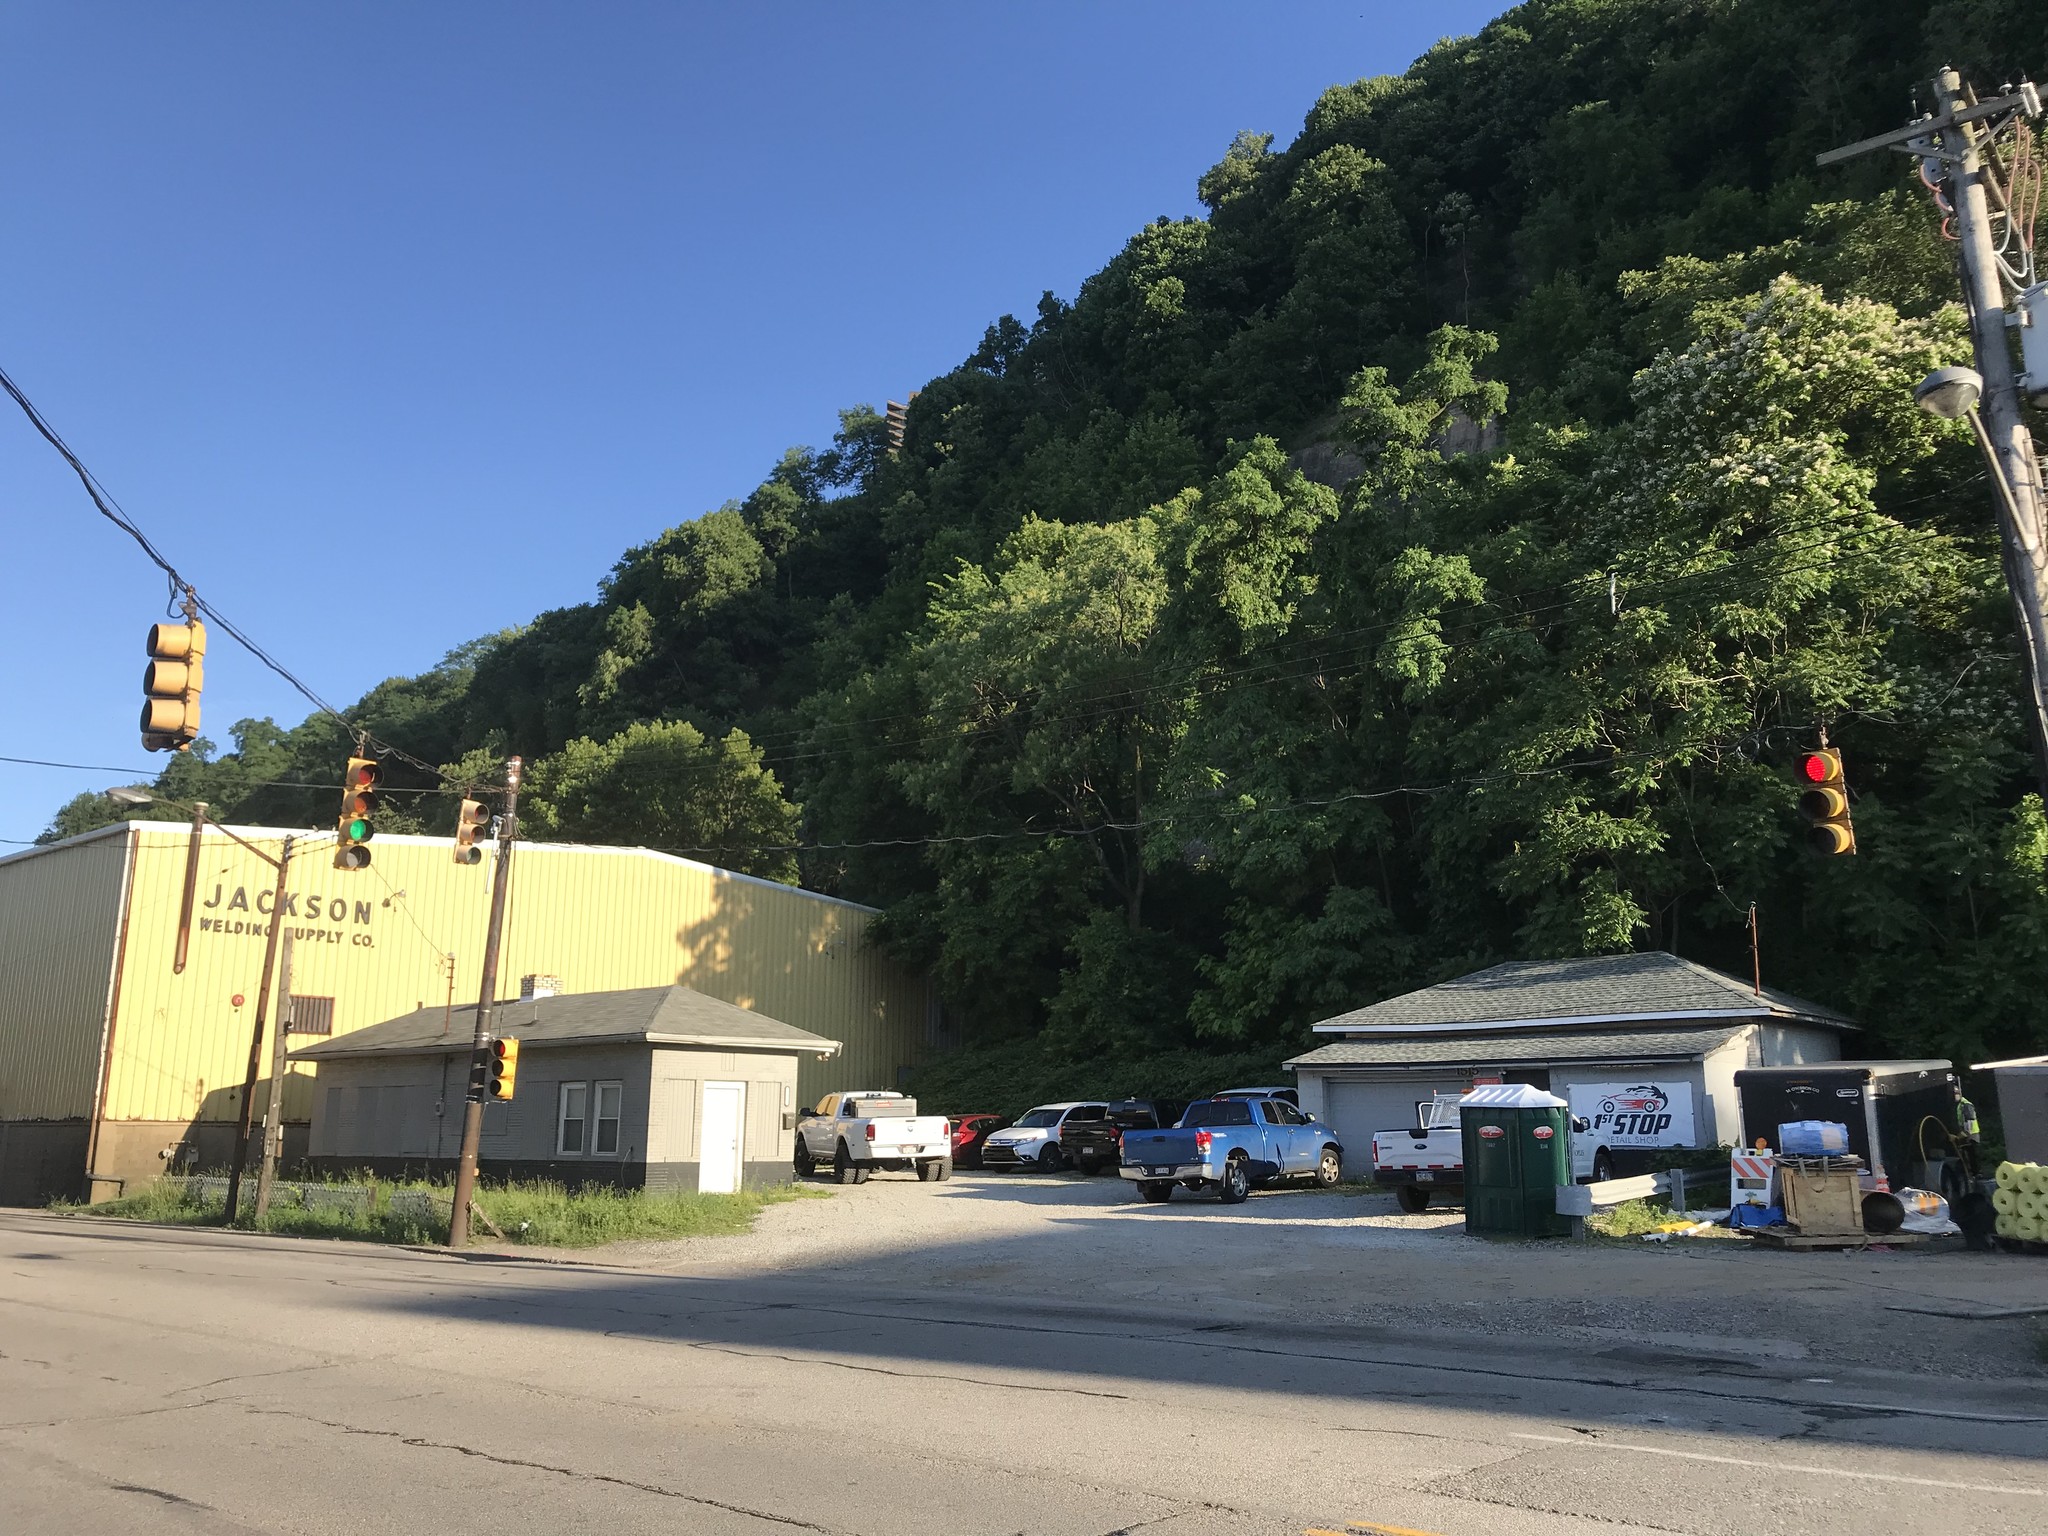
x: 358, y: 829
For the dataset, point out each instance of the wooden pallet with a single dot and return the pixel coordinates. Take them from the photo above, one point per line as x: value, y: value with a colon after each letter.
x: 1772, y: 1237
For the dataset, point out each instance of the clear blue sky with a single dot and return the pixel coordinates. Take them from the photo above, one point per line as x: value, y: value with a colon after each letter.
x: 335, y: 298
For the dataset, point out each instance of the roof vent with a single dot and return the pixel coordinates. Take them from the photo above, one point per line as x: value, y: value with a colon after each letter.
x: 531, y: 987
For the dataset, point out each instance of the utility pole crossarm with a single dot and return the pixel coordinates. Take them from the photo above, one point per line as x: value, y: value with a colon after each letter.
x: 2027, y: 99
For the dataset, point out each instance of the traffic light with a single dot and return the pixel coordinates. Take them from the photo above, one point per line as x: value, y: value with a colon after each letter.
x: 896, y: 423
x: 1825, y: 802
x: 472, y: 822
x: 504, y: 1069
x: 358, y: 812
x: 177, y: 667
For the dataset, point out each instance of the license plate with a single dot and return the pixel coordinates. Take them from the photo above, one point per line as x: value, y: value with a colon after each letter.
x: 1425, y: 1178
x: 1159, y: 1173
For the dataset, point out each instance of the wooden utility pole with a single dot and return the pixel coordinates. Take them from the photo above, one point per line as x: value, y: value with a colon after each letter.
x: 1951, y: 144
x: 273, y: 1112
x: 241, y: 1154
x: 487, y: 998
x: 1756, y: 960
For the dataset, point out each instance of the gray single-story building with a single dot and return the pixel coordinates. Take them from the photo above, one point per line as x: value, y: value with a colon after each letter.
x: 660, y: 1087
x: 1645, y: 1046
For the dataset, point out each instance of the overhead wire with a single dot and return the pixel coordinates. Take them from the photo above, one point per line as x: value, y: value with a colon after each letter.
x: 112, y: 510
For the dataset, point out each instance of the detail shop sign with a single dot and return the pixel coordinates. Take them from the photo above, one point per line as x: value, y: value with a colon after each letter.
x: 1636, y: 1114
x: 328, y: 919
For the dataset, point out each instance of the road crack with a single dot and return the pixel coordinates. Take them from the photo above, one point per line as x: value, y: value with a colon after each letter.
x: 574, y: 1474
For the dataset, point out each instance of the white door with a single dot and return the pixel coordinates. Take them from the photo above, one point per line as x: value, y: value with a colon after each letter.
x: 723, y: 1114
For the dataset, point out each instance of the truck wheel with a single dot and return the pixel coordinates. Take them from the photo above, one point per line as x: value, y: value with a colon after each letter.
x: 1158, y: 1192
x: 1235, y: 1187
x: 1603, y: 1166
x: 843, y: 1169
x: 1050, y: 1160
x: 1413, y: 1197
x: 1329, y: 1169
x: 1088, y: 1166
x: 929, y: 1171
x: 806, y: 1165
x: 944, y: 1169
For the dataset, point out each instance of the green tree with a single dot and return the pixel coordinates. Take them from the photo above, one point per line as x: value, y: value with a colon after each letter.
x: 666, y: 786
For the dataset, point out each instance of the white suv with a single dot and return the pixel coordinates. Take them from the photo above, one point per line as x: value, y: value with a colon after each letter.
x: 1033, y: 1139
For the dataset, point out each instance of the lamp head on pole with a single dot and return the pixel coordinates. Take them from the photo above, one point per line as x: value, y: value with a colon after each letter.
x: 131, y: 794
x: 1949, y: 393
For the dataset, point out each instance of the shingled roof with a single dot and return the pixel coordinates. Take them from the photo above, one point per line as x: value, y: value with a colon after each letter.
x: 642, y: 1015
x: 1596, y: 990
x: 1533, y: 1048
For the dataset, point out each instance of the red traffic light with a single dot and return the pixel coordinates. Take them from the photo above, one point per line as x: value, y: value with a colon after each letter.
x: 1819, y: 767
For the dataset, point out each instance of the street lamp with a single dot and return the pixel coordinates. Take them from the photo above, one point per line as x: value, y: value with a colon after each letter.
x: 1952, y: 393
x: 131, y: 794
x: 1949, y: 392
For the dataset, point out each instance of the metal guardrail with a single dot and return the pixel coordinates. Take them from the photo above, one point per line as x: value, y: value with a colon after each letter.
x: 1582, y: 1200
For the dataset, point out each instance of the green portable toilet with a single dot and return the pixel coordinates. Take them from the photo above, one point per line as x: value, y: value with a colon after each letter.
x: 1517, y: 1151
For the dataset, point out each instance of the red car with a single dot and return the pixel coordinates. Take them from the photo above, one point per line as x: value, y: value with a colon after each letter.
x: 969, y: 1132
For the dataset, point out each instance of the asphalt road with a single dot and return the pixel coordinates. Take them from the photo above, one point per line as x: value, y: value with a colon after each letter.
x: 166, y: 1380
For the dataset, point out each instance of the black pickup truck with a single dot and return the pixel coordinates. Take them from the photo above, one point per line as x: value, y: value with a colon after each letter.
x: 1095, y: 1145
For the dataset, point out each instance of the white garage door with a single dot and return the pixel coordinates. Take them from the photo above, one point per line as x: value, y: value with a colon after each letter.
x: 1355, y: 1110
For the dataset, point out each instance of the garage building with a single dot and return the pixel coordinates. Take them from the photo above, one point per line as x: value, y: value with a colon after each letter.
x: 116, y: 1063
x: 1606, y: 1026
x: 655, y: 1087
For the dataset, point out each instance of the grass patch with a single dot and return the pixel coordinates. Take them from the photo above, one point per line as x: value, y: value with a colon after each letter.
x: 536, y: 1213
x: 550, y: 1216
x: 1631, y: 1218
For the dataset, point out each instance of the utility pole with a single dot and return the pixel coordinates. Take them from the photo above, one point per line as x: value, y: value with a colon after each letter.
x: 1951, y: 145
x: 241, y: 1157
x: 487, y: 997
x: 273, y: 1111
x: 191, y: 887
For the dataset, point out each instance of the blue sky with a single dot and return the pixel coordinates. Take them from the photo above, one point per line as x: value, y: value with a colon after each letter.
x: 333, y: 298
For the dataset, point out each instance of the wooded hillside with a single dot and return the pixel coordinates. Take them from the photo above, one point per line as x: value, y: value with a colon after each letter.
x: 1436, y: 555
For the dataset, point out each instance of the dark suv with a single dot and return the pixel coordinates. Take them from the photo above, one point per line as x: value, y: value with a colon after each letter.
x: 1098, y: 1144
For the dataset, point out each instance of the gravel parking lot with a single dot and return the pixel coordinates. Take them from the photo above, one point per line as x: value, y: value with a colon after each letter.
x: 1342, y: 1256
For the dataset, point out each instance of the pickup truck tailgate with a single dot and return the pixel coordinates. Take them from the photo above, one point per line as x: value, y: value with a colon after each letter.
x: 1163, y: 1151
x: 898, y: 1136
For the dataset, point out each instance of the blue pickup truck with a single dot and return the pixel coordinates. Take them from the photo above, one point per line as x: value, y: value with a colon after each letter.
x: 1229, y: 1145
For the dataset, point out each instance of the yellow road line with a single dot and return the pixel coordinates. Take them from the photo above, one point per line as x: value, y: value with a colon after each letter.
x: 1386, y: 1530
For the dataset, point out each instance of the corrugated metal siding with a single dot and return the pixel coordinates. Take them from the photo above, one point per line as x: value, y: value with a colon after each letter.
x: 60, y: 916
x: 374, y: 941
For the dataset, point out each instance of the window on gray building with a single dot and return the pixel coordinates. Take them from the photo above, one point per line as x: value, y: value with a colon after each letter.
x: 575, y: 1111
x: 605, y: 1143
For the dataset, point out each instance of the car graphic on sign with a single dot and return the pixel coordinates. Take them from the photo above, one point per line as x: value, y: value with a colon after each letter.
x: 1644, y: 1099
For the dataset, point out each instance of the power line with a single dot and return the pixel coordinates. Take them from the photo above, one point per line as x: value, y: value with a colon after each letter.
x: 1145, y: 823
x: 111, y: 509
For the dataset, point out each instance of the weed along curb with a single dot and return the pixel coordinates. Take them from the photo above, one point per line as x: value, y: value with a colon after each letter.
x: 537, y: 1214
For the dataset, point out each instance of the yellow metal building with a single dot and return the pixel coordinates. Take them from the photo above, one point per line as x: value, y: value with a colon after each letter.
x: 113, y: 1063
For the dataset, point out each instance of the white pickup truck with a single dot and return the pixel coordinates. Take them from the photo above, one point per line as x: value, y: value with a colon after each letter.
x: 1417, y: 1162
x: 853, y: 1134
